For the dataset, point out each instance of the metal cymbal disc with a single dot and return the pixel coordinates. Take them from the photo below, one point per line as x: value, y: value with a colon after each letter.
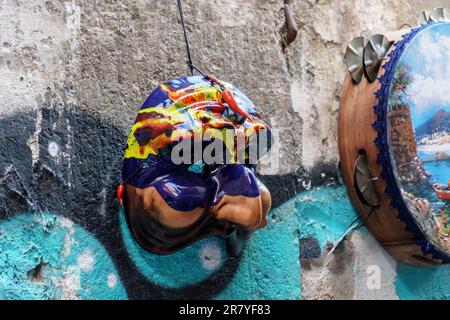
x: 440, y: 15
x: 424, y: 17
x: 354, y: 58
x: 374, y: 54
x: 364, y: 182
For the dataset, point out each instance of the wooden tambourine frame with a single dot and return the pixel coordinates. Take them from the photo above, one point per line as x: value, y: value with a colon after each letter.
x: 356, y: 138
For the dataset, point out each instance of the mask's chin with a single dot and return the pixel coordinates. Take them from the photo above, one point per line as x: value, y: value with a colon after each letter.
x: 249, y: 213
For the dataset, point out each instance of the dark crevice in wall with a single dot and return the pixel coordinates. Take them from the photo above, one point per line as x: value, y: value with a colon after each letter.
x: 309, y: 248
x: 37, y: 273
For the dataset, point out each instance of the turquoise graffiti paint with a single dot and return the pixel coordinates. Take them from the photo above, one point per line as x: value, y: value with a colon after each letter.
x: 269, y: 267
x: 415, y: 283
x: 183, y: 268
x: 45, y: 256
x: 74, y: 264
x: 324, y: 213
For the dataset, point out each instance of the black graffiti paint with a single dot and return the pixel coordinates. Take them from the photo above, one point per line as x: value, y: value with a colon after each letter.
x: 66, y: 161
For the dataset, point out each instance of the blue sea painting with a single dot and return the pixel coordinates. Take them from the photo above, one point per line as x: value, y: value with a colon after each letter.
x: 419, y: 130
x: 428, y: 94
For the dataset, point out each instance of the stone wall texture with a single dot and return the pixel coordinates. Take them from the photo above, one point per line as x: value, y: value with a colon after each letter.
x: 73, y: 74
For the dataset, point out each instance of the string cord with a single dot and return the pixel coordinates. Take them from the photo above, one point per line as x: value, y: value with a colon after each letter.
x: 186, y: 40
x: 191, y: 67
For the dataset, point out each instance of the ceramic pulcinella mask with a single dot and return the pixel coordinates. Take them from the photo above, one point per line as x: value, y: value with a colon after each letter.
x: 172, y: 196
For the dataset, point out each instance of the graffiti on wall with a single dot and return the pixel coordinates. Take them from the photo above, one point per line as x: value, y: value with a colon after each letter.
x: 62, y: 165
x: 62, y: 235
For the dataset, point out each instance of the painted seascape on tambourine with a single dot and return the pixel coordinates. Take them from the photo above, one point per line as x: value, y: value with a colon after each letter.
x: 419, y: 130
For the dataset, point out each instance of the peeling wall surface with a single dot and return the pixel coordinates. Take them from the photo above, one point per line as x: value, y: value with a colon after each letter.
x: 73, y: 75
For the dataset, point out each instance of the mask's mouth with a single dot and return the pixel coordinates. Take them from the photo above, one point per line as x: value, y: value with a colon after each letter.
x: 154, y: 237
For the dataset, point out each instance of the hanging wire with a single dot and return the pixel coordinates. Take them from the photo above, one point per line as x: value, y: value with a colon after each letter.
x: 191, y: 65
x: 353, y: 226
x: 227, y: 96
x: 405, y: 25
x: 186, y: 40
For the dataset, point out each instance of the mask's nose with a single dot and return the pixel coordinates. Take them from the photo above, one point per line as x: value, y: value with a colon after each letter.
x: 239, y: 197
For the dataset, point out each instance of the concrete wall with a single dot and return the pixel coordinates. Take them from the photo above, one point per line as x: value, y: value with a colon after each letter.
x: 72, y: 76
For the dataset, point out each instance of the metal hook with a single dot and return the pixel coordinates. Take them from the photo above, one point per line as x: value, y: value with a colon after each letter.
x: 291, y: 25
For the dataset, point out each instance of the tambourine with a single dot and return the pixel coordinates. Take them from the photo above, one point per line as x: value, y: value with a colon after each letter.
x: 170, y: 204
x: 394, y: 139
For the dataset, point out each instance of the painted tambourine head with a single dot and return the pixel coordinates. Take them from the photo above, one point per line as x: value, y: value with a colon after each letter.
x: 395, y: 146
x: 189, y: 166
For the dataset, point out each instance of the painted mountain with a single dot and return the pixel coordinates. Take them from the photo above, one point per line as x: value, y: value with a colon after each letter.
x: 439, y: 122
